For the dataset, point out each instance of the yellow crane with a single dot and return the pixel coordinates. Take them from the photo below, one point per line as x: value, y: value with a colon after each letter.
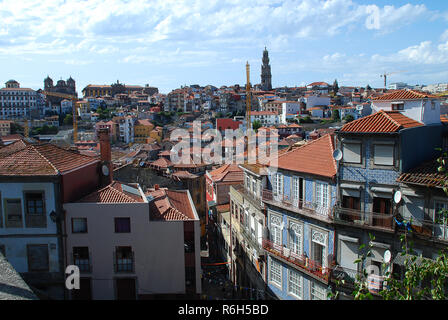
x: 74, y: 100
x: 384, y: 75
x: 248, y: 100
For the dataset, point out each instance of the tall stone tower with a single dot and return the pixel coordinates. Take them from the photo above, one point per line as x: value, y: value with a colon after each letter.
x: 266, y: 77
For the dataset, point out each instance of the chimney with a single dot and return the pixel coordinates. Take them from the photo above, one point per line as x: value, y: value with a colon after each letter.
x: 106, y: 156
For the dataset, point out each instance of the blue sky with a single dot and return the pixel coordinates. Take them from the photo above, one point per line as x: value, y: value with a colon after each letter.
x: 169, y: 43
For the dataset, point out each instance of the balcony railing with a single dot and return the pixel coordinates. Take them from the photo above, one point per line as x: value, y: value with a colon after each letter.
x: 36, y: 220
x: 370, y: 219
x: 299, y: 260
x: 303, y: 206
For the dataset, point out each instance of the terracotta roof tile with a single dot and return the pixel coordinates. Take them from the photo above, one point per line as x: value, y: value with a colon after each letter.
x: 227, y: 173
x: 113, y: 193
x: 405, y: 94
x: 381, y: 122
x: 161, y: 163
x: 170, y: 205
x: 315, y: 157
x: 426, y: 174
x: 42, y: 159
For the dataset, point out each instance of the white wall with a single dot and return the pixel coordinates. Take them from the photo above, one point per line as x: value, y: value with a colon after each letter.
x: 158, y: 247
x: 419, y: 110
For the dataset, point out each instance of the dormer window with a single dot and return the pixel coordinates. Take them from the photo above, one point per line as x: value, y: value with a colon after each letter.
x: 397, y: 106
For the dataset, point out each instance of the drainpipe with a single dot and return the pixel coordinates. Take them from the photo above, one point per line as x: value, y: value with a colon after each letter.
x: 59, y: 218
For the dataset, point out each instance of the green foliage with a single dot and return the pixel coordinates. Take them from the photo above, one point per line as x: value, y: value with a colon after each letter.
x: 45, y: 130
x: 307, y: 119
x: 349, y: 118
x: 68, y: 120
x: 256, y: 125
x: 335, y: 115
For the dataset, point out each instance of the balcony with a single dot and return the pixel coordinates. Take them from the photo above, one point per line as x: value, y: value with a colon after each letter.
x: 367, y: 220
x: 301, y: 262
x: 306, y: 208
x: 248, y: 195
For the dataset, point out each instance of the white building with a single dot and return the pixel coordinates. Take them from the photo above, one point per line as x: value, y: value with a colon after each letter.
x: 416, y: 105
x: 18, y: 103
x: 266, y: 118
x: 289, y: 109
x: 126, y: 129
x: 312, y: 101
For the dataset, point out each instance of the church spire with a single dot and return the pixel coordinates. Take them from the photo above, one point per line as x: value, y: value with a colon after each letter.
x: 266, y: 77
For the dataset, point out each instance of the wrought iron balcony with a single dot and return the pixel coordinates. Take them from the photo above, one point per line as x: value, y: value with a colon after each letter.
x: 364, y: 219
x: 301, y: 261
x: 307, y: 208
x: 124, y: 264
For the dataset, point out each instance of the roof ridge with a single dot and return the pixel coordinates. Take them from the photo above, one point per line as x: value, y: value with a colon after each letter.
x: 393, y: 120
x: 45, y: 158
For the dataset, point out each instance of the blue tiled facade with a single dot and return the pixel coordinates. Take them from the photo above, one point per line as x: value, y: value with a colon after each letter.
x: 308, y: 224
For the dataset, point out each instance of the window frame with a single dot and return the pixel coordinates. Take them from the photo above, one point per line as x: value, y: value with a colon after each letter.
x: 272, y: 280
x: 87, y: 228
x: 373, y: 161
x: 5, y: 200
x: 122, y: 218
x: 358, y: 143
x: 312, y: 288
x: 299, y: 284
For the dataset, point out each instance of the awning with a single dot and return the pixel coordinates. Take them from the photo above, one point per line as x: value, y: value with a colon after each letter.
x: 383, y: 190
x: 351, y: 190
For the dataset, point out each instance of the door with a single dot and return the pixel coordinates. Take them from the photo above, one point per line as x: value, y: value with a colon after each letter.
x: 382, y: 212
x: 352, y: 203
x: 300, y: 192
x: 126, y: 289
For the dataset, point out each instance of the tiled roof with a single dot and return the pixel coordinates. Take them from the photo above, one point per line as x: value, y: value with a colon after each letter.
x: 405, y: 94
x: 223, y: 208
x: 315, y: 157
x: 113, y: 193
x: 227, y: 173
x: 444, y: 118
x: 170, y: 205
x: 162, y: 163
x: 426, y: 174
x: 13, y: 147
x: 42, y: 159
x: 185, y: 175
x: 381, y: 122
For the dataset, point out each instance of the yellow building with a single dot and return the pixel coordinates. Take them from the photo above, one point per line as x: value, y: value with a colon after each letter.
x: 157, y: 134
x: 142, y: 131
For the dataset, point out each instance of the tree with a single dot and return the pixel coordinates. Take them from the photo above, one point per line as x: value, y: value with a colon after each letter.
x: 335, y: 115
x: 68, y: 120
x: 256, y: 125
x: 349, y: 118
x: 15, y: 128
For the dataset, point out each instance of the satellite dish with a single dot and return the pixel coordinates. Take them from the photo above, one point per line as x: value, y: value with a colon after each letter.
x: 359, y: 107
x: 337, y: 154
x: 397, y: 197
x: 387, y: 256
x: 105, y: 170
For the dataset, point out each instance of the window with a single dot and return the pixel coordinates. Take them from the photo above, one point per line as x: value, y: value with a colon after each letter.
x: 382, y: 207
x: 35, y: 210
x: 276, y: 236
x: 124, y: 259
x: 278, y: 187
x: 13, y: 213
x: 79, y: 225
x: 397, y: 106
x: 318, y: 248
x: 37, y: 257
x: 351, y: 152
x: 81, y: 258
x: 383, y: 154
x: 295, y: 188
x: 122, y: 225
x: 322, y: 194
x: 318, y: 292
x: 295, y: 238
x: 275, y: 273
x: 295, y: 283
x: 441, y: 223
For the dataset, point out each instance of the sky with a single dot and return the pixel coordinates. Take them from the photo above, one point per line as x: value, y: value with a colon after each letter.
x: 171, y: 43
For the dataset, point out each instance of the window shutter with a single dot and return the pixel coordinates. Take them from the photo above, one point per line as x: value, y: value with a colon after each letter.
x: 352, y: 152
x: 383, y: 154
